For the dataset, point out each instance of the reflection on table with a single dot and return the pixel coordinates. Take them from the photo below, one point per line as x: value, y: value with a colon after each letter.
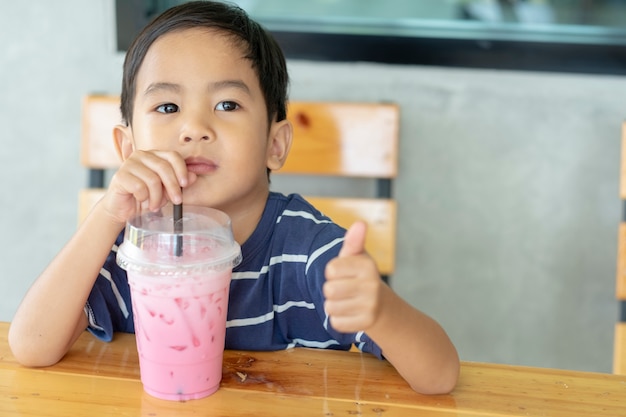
x: 101, y: 379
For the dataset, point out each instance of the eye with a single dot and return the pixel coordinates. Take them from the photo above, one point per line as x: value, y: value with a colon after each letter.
x: 167, y: 108
x: 227, y: 106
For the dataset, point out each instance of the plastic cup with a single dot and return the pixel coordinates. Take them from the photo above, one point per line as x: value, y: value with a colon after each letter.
x: 180, y: 299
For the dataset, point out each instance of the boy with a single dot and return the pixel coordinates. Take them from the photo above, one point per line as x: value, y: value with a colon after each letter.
x: 204, y: 108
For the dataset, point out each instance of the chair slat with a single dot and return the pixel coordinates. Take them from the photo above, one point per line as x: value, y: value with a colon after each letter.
x: 620, y: 288
x: 619, y: 357
x: 100, y: 114
x: 343, y: 139
x: 380, y: 216
x: 619, y: 349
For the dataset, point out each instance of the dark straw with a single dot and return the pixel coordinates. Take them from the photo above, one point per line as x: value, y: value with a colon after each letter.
x: 178, y: 229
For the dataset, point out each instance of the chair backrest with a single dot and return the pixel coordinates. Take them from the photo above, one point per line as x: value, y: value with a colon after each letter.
x: 330, y: 139
x: 97, y: 152
x: 619, y: 351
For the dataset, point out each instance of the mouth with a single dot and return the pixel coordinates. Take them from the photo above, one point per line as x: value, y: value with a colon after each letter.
x: 200, y: 166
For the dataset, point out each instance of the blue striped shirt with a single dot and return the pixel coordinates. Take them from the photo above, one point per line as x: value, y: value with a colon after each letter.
x: 275, y: 300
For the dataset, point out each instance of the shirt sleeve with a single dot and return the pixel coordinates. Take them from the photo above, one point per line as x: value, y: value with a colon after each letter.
x: 108, y: 307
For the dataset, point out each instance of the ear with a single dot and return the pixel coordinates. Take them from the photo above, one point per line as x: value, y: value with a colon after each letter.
x: 279, y: 143
x: 123, y: 140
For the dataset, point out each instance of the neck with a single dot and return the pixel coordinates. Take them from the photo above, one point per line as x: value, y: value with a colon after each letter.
x: 245, y: 216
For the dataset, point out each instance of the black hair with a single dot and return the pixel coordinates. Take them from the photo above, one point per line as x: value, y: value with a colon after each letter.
x: 258, y: 45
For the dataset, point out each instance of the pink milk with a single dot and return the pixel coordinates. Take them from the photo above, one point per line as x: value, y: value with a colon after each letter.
x: 180, y: 299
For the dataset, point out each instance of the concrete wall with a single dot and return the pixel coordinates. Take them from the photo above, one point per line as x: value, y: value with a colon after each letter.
x: 507, y: 191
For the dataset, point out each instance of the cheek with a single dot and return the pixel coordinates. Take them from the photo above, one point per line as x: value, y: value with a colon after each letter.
x: 250, y: 155
x: 147, y: 137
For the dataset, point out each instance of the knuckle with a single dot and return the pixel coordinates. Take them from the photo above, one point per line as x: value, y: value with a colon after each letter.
x: 162, y: 163
x: 153, y: 180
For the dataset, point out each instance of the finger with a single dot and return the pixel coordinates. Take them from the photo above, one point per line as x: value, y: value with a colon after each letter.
x: 183, y: 176
x: 137, y: 179
x: 337, y: 287
x: 348, y: 316
x: 146, y: 186
x: 172, y: 174
x: 358, y: 277
x: 345, y: 324
x: 343, y: 308
x: 157, y: 171
x: 354, y: 241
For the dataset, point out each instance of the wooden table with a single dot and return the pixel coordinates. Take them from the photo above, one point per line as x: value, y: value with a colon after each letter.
x: 102, y: 379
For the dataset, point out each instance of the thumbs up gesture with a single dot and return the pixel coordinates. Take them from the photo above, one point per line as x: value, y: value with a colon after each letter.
x: 353, y: 285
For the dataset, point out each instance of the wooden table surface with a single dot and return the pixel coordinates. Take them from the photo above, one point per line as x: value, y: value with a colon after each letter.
x: 102, y: 379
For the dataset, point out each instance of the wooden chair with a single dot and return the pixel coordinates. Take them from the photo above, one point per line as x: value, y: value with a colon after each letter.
x: 330, y: 139
x: 97, y: 151
x: 619, y: 350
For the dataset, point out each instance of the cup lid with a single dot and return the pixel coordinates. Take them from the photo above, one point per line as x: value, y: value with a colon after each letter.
x: 203, y: 240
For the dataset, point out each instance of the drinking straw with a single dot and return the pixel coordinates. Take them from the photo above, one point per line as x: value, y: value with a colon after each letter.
x: 178, y: 229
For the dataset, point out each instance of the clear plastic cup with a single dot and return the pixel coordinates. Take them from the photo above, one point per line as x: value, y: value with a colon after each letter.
x: 180, y: 298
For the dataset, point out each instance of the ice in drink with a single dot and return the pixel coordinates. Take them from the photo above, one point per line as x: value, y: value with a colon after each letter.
x: 180, y: 299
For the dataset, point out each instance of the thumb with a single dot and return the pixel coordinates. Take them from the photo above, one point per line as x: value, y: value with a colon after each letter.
x: 354, y: 242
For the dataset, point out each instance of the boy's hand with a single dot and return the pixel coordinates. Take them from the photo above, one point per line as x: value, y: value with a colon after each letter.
x: 147, y: 180
x: 353, y: 285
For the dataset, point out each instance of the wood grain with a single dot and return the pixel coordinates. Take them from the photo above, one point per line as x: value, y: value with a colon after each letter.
x: 102, y: 379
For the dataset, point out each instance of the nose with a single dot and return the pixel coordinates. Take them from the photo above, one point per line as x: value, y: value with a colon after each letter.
x: 196, y: 127
x: 189, y: 138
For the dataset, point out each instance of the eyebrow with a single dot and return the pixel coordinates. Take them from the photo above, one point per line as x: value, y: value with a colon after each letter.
x: 156, y: 87
x: 216, y: 86
x: 224, y: 84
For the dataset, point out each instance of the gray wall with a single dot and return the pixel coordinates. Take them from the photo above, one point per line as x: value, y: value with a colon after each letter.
x: 507, y: 191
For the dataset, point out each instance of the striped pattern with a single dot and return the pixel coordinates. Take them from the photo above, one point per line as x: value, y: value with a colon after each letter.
x: 276, y: 299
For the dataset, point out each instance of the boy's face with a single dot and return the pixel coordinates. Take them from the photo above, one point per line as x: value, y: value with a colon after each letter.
x: 197, y: 95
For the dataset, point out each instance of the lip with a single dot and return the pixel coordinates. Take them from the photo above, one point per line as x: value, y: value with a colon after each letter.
x: 200, y: 166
